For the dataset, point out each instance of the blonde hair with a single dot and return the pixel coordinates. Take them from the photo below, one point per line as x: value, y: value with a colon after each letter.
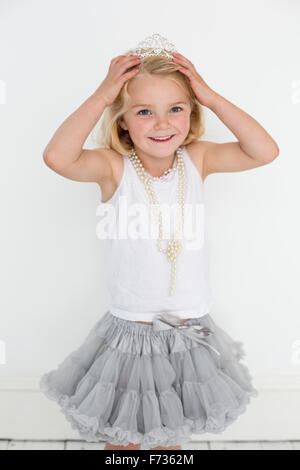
x: 113, y: 136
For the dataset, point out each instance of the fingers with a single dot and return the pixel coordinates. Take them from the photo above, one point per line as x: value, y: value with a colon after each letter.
x: 126, y: 58
x: 115, y: 59
x: 180, y: 58
x: 123, y: 63
x: 130, y: 74
x: 132, y: 60
x: 187, y: 67
x: 127, y: 62
x: 176, y: 54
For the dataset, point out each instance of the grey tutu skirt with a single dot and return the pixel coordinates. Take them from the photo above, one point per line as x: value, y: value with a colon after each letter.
x: 131, y: 383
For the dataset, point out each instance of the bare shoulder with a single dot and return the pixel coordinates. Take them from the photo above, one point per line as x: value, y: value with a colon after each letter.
x: 196, y: 151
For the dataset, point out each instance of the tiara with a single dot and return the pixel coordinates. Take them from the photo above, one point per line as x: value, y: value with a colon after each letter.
x: 155, y: 45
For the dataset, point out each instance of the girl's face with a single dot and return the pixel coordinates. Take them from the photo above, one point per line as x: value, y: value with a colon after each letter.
x: 159, y: 108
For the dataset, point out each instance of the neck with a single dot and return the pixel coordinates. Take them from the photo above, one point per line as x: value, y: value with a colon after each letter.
x: 156, y: 166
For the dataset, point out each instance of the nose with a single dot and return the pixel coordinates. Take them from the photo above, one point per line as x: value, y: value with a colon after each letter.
x: 162, y: 122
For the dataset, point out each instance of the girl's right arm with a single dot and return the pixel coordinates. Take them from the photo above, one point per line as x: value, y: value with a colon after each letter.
x: 64, y: 153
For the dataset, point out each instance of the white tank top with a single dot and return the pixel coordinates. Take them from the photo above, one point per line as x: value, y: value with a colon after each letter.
x: 139, y: 274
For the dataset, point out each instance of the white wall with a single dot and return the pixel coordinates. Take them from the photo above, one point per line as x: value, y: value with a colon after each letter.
x: 54, y: 54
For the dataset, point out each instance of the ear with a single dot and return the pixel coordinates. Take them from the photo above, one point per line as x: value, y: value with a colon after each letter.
x: 123, y: 125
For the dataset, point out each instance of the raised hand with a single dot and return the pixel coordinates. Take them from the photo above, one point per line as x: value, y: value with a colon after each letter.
x: 117, y: 76
x: 203, y: 92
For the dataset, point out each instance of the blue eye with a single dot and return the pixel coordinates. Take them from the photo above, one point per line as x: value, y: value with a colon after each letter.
x: 178, y: 107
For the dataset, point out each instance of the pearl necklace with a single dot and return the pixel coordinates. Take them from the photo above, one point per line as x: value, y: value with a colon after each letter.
x: 164, y: 176
x: 174, y: 245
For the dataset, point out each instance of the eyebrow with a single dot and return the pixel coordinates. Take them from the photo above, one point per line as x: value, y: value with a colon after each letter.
x: 177, y: 102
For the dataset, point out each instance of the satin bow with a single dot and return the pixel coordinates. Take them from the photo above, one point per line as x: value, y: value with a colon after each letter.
x: 164, y: 321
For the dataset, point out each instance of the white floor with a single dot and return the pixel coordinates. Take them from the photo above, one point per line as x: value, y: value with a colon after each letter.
x: 211, y: 445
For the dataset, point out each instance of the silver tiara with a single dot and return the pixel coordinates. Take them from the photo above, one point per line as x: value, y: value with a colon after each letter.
x: 155, y: 45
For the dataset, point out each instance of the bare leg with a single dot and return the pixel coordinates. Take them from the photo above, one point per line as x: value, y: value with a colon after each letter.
x: 109, y: 446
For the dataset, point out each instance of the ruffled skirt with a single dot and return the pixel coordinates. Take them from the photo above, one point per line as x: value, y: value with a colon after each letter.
x: 127, y: 383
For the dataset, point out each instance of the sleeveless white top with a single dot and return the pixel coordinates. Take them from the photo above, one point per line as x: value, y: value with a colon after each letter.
x: 139, y: 275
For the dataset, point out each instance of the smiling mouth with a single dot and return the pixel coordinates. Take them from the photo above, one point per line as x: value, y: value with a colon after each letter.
x: 162, y: 139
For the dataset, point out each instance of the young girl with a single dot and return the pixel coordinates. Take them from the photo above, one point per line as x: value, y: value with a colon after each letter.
x: 156, y: 367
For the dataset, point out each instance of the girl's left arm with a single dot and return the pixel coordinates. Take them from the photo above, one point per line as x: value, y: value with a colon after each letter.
x: 255, y: 146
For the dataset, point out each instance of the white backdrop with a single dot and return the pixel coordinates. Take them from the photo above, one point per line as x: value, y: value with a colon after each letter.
x: 54, y: 54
